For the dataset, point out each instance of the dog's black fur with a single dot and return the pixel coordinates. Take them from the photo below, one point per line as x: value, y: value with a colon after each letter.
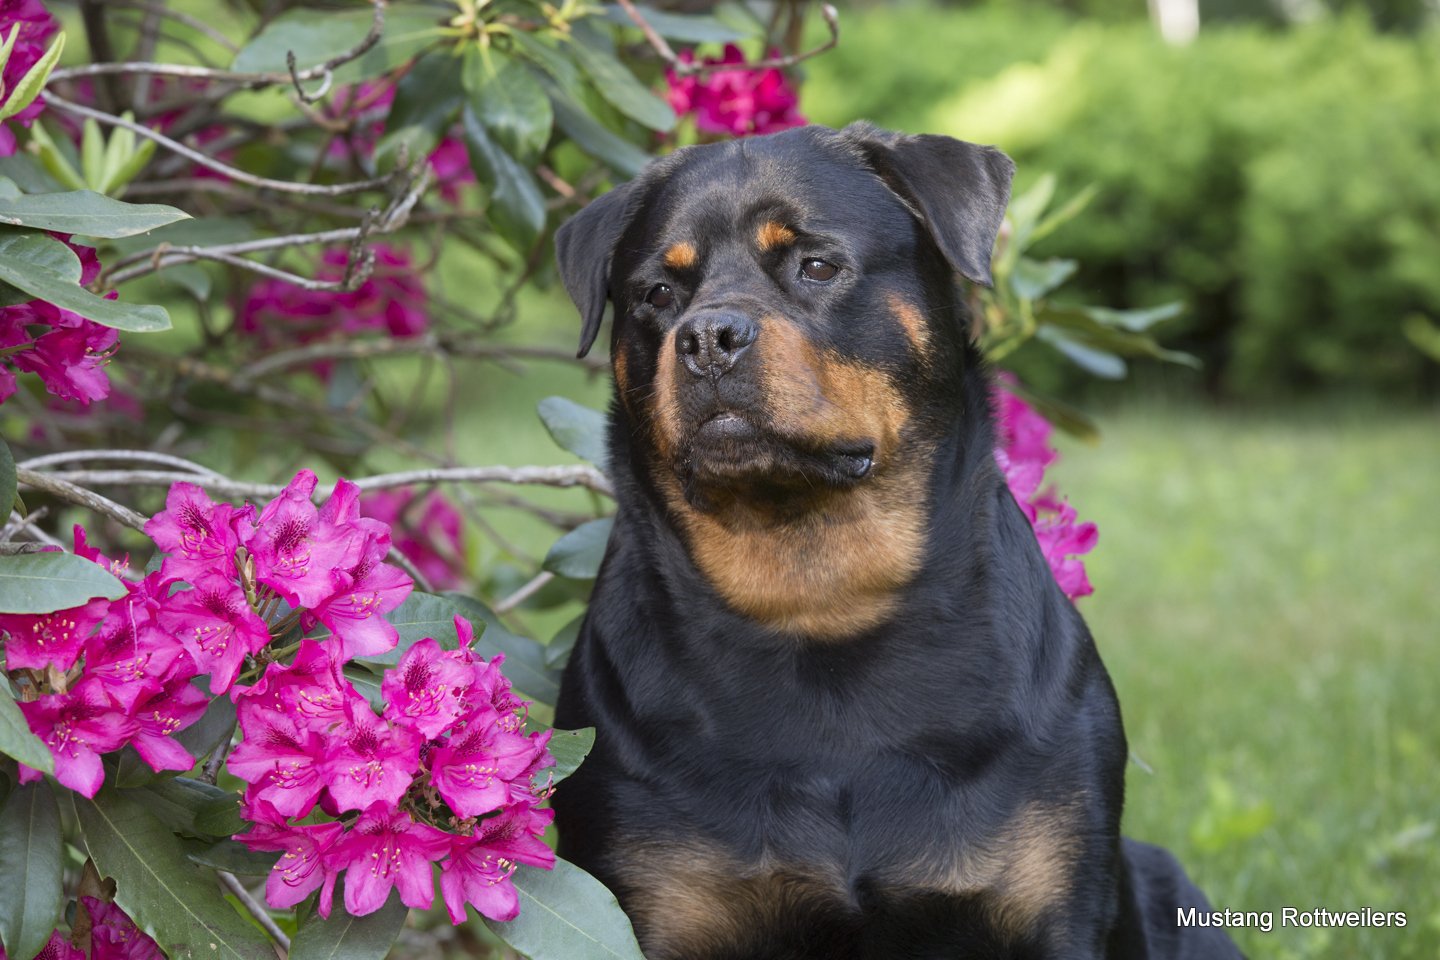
x: 843, y: 709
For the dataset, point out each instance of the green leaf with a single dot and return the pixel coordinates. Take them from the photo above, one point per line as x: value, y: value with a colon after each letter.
x: 367, y: 685
x: 1424, y: 334
x: 168, y: 896
x: 556, y: 64
x: 45, y: 284
x: 92, y: 155
x: 566, y: 914
x: 569, y: 748
x: 46, y: 582
x: 427, y: 100
x: 421, y: 615
x: 57, y: 157
x: 508, y: 100
x: 318, y: 35
x: 517, y: 208
x: 1032, y: 279
x: 1025, y: 211
x: 576, y: 428
x: 593, y: 137
x: 180, y: 803
x: 16, y: 740
x: 1100, y: 363
x: 1136, y: 321
x: 28, y: 87
x: 524, y: 657
x: 220, y: 817
x: 618, y: 85
x: 32, y: 856
x: 687, y: 28
x: 87, y: 214
x: 214, y: 727
x: 1072, y: 209
x: 7, y: 478
x: 8, y: 46
x: 1080, y: 326
x: 343, y: 937
x: 41, y: 250
x: 231, y: 855
x: 578, y: 554
x: 557, y: 651
x: 25, y: 175
x: 1064, y: 416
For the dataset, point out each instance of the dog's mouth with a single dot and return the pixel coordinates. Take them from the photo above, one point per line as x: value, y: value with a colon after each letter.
x: 730, y: 450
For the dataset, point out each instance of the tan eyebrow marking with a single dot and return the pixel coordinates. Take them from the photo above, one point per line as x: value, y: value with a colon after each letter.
x: 772, y: 235
x: 681, y: 256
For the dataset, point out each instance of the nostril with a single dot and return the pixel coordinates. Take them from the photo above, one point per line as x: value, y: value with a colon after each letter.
x: 688, y: 344
x: 736, y: 336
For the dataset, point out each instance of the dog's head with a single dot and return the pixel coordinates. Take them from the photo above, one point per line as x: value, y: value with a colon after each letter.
x: 785, y: 307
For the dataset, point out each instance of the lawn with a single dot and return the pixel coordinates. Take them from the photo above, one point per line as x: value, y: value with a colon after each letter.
x: 1264, y: 599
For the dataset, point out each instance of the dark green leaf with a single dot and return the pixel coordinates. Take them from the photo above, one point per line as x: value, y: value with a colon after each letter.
x: 180, y: 802
x: 168, y: 896
x: 46, y: 284
x: 576, y: 428
x: 86, y: 213
x: 318, y: 35
x: 46, y: 582
x: 231, y: 855
x: 7, y: 479
x: 1136, y: 321
x: 127, y: 768
x: 427, y: 100
x: 570, y: 748
x: 504, y: 94
x: 40, y: 249
x: 25, y: 172
x: 1033, y: 279
x: 16, y: 740
x: 343, y: 937
x: 1100, y: 363
x: 687, y: 28
x: 32, y: 856
x: 551, y: 59
x: 367, y: 685
x: 213, y: 728
x: 593, y: 137
x: 578, y: 554
x: 566, y: 914
x: 1064, y: 416
x: 1080, y: 326
x: 557, y: 651
x: 517, y: 208
x: 617, y: 84
x: 422, y: 615
x: 1025, y: 210
x: 524, y: 657
x: 220, y: 817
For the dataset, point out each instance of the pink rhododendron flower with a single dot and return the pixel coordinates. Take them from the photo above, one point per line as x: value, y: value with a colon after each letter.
x: 474, y: 769
x: 36, y: 27
x: 217, y: 626
x: 293, y: 549
x: 310, y: 690
x: 360, y: 597
x: 384, y: 850
x: 480, y: 867
x: 161, y: 709
x: 370, y: 761
x: 197, y: 535
x: 427, y: 530
x: 114, y: 936
x: 45, y: 639
x: 300, y: 871
x: 423, y: 691
x: 78, y: 726
x: 735, y: 103
x: 1022, y: 452
x: 58, y: 948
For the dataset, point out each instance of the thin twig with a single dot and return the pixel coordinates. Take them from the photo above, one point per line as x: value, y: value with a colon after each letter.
x: 693, y: 68
x: 524, y: 593
x: 211, y: 773
x: 426, y: 343
x: 18, y: 524
x: 422, y: 582
x: 194, y: 23
x: 562, y: 476
x: 205, y: 160
x: 256, y: 909
x: 62, y: 488
x: 134, y: 456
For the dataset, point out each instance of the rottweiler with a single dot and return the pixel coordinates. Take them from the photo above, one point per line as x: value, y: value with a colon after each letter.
x: 843, y: 708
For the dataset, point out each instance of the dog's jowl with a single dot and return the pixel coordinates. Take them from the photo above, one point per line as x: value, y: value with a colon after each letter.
x: 843, y: 709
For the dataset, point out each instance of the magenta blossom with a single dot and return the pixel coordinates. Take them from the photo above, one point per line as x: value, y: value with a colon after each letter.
x: 57, y: 948
x: 217, y: 626
x: 476, y: 767
x: 423, y: 692
x: 196, y: 534
x: 160, y: 710
x: 78, y: 726
x: 294, y: 550
x: 361, y: 595
x: 1022, y: 452
x: 36, y: 27
x: 371, y: 761
x: 386, y: 849
x: 280, y: 757
x: 300, y: 871
x: 114, y: 936
x: 428, y: 530
x: 479, y: 869
x: 55, y: 639
x: 735, y: 103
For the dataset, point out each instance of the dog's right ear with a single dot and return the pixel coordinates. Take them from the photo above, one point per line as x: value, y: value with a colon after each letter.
x: 584, y: 251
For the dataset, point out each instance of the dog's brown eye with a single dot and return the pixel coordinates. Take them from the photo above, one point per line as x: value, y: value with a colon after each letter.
x: 660, y: 296
x: 819, y: 270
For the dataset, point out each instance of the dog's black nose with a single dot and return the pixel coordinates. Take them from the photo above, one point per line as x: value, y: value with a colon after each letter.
x: 710, y: 343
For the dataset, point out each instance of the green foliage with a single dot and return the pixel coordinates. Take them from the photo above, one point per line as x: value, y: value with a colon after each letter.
x: 31, y: 861
x: 16, y: 740
x: 46, y: 582
x: 1276, y: 182
x: 565, y: 912
x: 343, y: 937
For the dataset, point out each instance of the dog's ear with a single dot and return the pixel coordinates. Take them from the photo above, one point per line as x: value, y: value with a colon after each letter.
x: 584, y: 250
x: 959, y: 190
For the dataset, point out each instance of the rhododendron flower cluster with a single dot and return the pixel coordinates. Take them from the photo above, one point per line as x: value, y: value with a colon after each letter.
x: 36, y: 26
x: 66, y: 351
x: 113, y: 936
x: 427, y: 529
x: 391, y: 299
x: 1023, y: 452
x: 444, y: 774
x: 734, y: 103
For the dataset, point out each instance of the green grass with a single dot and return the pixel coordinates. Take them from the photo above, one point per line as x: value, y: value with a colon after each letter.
x: 1265, y: 601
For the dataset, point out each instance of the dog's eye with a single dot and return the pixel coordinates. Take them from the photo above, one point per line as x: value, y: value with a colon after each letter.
x: 660, y: 296
x: 818, y: 270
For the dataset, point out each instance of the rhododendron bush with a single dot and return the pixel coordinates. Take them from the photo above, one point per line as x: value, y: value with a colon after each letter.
x: 246, y: 713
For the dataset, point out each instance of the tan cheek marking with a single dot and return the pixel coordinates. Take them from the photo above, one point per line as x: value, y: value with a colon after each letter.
x: 836, y: 570
x: 681, y: 256
x: 911, y: 320
x: 691, y: 899
x: 667, y: 406
x: 622, y: 376
x: 772, y: 235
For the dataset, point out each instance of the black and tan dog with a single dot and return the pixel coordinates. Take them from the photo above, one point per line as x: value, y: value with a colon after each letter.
x: 844, y: 711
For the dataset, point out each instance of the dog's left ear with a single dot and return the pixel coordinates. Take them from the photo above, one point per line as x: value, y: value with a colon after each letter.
x: 959, y: 190
x: 584, y: 251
